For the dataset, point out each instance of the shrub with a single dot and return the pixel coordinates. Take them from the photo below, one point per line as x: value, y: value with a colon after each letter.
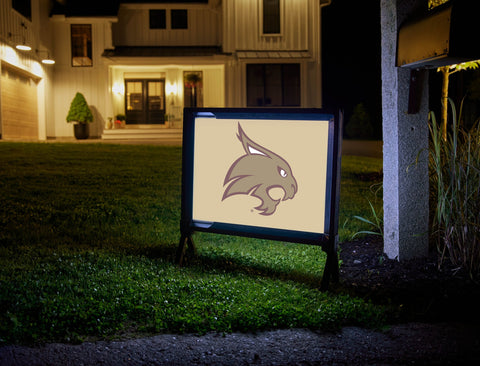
x: 359, y: 125
x: 455, y: 182
x: 79, y: 110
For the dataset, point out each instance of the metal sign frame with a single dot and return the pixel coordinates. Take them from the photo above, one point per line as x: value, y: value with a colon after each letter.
x: 328, y: 239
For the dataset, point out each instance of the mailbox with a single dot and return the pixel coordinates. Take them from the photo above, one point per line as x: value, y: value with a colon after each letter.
x: 445, y: 36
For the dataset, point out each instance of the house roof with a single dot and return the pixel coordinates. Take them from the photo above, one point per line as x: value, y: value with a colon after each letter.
x: 163, y: 51
x: 165, y: 1
x: 274, y: 54
x: 85, y: 8
x: 99, y: 8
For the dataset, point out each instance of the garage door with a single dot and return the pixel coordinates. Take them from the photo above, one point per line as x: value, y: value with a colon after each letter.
x: 19, y: 105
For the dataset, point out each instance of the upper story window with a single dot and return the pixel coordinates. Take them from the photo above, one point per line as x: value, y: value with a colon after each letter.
x: 179, y: 18
x: 81, y: 43
x: 158, y: 19
x: 24, y: 7
x: 271, y: 17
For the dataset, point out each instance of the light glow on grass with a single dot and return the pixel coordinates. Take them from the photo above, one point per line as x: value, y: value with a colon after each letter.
x: 88, y: 241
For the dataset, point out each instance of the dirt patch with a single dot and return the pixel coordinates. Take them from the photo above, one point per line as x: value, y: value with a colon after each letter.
x: 435, y: 322
x: 417, y: 289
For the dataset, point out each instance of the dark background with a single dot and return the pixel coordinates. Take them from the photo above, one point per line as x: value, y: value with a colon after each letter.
x: 351, y: 58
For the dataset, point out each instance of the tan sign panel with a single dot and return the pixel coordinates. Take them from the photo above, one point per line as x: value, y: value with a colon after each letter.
x: 263, y: 173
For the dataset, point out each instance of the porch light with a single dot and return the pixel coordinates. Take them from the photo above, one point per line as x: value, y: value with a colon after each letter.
x: 22, y: 44
x: 118, y: 88
x: 46, y: 60
x: 171, y: 88
x: 23, y: 47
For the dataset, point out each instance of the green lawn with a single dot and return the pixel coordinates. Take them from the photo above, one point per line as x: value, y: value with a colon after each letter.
x: 87, y: 244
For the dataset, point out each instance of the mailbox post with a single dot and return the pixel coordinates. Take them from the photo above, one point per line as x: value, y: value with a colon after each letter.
x: 405, y: 191
x: 414, y: 40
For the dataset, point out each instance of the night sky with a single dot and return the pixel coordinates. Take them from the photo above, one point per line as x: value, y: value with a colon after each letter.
x: 351, y: 57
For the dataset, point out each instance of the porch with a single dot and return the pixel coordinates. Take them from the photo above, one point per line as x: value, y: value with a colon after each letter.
x: 144, y: 132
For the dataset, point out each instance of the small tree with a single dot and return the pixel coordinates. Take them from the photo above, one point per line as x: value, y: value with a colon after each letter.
x: 359, y: 125
x: 446, y: 72
x: 79, y: 110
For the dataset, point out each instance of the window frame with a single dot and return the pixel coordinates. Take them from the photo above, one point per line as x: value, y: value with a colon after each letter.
x: 88, y: 46
x: 182, y: 26
x: 152, y: 13
x: 281, y: 20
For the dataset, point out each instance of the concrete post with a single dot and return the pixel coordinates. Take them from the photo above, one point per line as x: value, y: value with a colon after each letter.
x: 405, y: 136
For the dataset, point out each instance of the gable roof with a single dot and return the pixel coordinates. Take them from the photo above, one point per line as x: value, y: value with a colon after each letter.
x: 165, y: 2
x: 163, y: 51
x: 85, y: 8
x: 99, y: 8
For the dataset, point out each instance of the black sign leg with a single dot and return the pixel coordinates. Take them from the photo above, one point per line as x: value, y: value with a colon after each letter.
x: 331, y: 271
x: 186, y: 245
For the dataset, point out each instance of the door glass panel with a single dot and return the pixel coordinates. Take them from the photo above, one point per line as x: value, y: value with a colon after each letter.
x: 156, y: 95
x: 291, y: 85
x: 255, y: 85
x: 134, y: 96
x: 273, y: 85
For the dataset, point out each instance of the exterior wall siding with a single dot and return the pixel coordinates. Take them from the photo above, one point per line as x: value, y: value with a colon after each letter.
x: 36, y: 32
x: 300, y: 36
x: 133, y: 28
x: 235, y: 25
x: 242, y: 26
x: 91, y: 81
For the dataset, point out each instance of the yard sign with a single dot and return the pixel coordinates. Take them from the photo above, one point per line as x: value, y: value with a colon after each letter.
x: 264, y: 173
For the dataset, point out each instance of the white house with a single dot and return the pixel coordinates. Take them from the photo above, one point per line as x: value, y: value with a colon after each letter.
x: 147, y: 60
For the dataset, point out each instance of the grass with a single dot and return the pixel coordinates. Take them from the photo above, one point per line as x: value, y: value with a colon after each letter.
x: 455, y: 180
x: 87, y: 245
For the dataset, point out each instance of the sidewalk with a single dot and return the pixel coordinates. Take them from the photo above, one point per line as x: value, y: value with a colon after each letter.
x: 407, y: 344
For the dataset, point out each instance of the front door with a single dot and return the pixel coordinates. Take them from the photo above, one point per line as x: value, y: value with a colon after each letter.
x: 145, y: 101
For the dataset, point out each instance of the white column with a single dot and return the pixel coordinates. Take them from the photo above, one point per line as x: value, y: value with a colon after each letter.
x: 405, y: 136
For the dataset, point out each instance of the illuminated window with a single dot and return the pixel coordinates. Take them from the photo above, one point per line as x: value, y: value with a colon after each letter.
x: 81, y: 45
x: 193, y: 90
x: 271, y: 16
x: 158, y: 19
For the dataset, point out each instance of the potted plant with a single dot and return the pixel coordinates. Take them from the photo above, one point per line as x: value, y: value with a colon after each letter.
x: 120, y: 120
x: 81, y: 115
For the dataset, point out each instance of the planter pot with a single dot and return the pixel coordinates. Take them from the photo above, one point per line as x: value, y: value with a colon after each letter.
x: 81, y: 131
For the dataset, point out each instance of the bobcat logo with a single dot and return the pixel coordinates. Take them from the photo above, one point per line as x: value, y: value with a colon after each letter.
x: 257, y: 172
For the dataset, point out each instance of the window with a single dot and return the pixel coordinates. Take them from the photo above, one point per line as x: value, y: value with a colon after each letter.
x: 158, y: 19
x: 179, y: 18
x: 271, y: 16
x: 81, y: 45
x: 193, y: 90
x: 273, y: 85
x: 24, y: 7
